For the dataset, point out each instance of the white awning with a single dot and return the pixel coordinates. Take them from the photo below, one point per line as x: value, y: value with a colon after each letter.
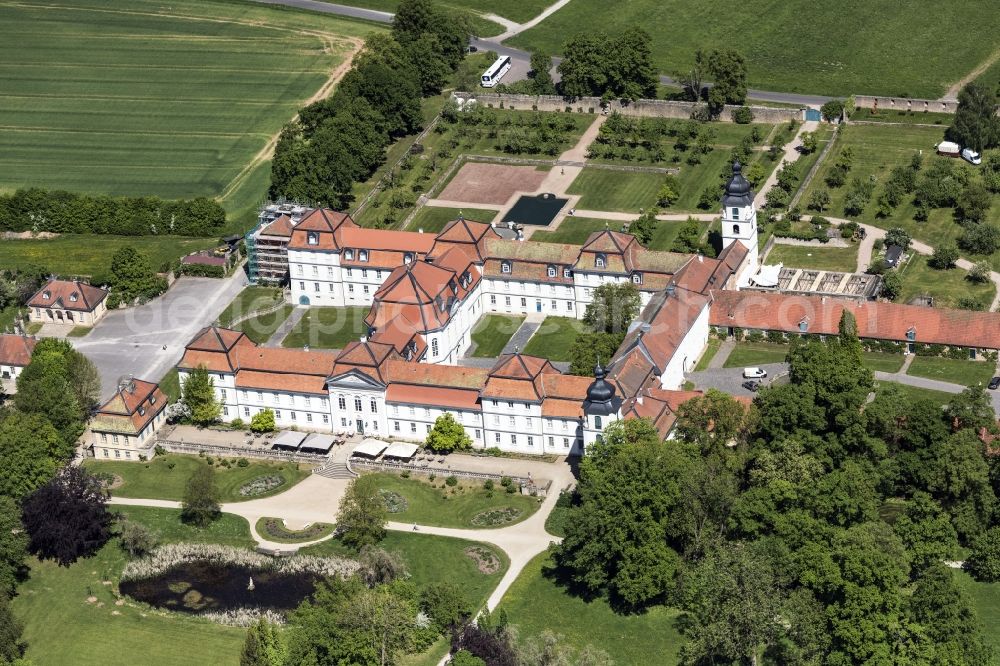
x: 318, y: 442
x: 401, y: 450
x: 767, y: 276
x: 289, y: 439
x: 369, y: 447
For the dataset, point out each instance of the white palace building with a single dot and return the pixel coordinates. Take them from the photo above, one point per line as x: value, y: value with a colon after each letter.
x: 426, y: 293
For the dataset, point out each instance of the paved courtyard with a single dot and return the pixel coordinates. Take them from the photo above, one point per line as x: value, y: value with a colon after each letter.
x: 148, y: 340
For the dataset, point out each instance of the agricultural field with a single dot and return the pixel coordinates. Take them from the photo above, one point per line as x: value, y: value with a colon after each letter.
x: 947, y: 287
x: 90, y: 254
x: 145, y: 98
x: 854, y: 47
x: 877, y: 149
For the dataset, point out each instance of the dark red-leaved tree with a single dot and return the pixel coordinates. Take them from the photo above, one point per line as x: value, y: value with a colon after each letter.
x: 67, y: 518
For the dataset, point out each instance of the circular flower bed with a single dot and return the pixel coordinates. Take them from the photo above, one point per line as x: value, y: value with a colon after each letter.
x: 494, y: 517
x: 261, y: 485
x: 486, y: 560
x: 394, y: 502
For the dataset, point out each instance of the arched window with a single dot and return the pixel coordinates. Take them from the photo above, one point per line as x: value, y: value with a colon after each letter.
x: 736, y: 229
x: 597, y: 422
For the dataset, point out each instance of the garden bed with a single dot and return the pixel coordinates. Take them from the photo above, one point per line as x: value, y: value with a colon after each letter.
x: 273, y: 529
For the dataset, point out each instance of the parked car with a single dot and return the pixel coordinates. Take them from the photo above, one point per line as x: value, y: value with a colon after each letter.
x: 754, y: 373
x: 751, y: 385
x: 971, y: 156
x: 995, y: 383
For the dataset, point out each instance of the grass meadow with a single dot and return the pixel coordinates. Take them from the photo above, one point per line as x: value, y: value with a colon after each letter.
x: 493, y: 332
x: 259, y: 329
x: 433, y: 219
x: 815, y: 257
x: 146, y: 98
x: 946, y: 286
x: 853, y: 47
x: 554, y: 338
x: 955, y: 371
x: 328, y: 328
x: 535, y: 603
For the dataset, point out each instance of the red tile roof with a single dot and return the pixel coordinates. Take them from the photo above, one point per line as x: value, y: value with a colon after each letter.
x: 68, y: 295
x: 472, y: 236
x: 131, y: 409
x: 325, y: 223
x: 214, y: 338
x: 464, y: 399
x: 422, y: 293
x: 281, y: 226
x: 876, y: 319
x: 383, y: 239
x: 425, y: 374
x: 16, y: 350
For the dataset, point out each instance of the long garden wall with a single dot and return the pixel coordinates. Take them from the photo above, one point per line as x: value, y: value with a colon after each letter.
x: 655, y: 108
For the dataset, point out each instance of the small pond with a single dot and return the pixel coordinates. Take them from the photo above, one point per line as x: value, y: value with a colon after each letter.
x: 202, y: 587
x: 537, y: 210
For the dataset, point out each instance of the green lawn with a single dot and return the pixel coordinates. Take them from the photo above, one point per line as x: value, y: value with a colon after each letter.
x: 877, y: 149
x: 61, y: 627
x: 170, y: 384
x: 883, y: 362
x: 433, y: 219
x: 916, y: 393
x: 90, y: 254
x: 616, y: 191
x: 755, y: 353
x: 493, y: 332
x: 228, y: 529
x: 431, y: 558
x: 554, y: 338
x: 535, y: 603
x: 261, y: 328
x: 710, y: 351
x: 798, y: 46
x: 966, y: 373
x: 986, y: 599
x: 144, y: 98
x: 815, y: 257
x: 946, y: 286
x: 575, y: 230
x: 164, y: 477
x: 441, y: 507
x: 328, y: 328
x: 79, y: 332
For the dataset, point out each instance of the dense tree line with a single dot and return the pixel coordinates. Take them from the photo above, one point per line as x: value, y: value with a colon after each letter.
x: 57, y: 211
x: 769, y: 527
x: 46, y: 507
x: 342, y: 139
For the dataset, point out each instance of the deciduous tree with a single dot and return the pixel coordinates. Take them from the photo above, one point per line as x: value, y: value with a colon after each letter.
x: 198, y: 394
x: 613, y: 307
x: 201, y: 497
x: 362, y: 515
x: 448, y: 435
x: 30, y: 452
x: 975, y: 125
x: 11, y: 644
x: 263, y: 646
x: 263, y: 421
x: 728, y: 71
x: 944, y: 257
x: 541, y: 78
x: 947, y: 616
x: 67, y: 518
x: 13, y: 546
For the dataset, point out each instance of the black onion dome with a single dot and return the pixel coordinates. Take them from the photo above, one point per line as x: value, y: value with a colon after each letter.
x: 738, y: 191
x: 600, y: 390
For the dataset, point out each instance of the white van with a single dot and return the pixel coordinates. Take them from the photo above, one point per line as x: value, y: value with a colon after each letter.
x: 971, y: 156
x: 754, y: 373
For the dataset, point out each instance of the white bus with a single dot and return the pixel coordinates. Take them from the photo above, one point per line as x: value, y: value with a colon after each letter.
x: 492, y: 76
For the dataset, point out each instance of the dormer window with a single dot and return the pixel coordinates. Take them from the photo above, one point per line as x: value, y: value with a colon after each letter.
x: 637, y: 278
x: 74, y: 297
x: 349, y: 254
x: 407, y: 257
x: 142, y: 411
x: 152, y: 399
x: 46, y: 295
x: 504, y: 267
x: 362, y: 255
x: 601, y: 260
x: 803, y: 325
x: 567, y: 273
x: 454, y: 288
x: 911, y: 334
x: 551, y: 271
x: 312, y: 238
